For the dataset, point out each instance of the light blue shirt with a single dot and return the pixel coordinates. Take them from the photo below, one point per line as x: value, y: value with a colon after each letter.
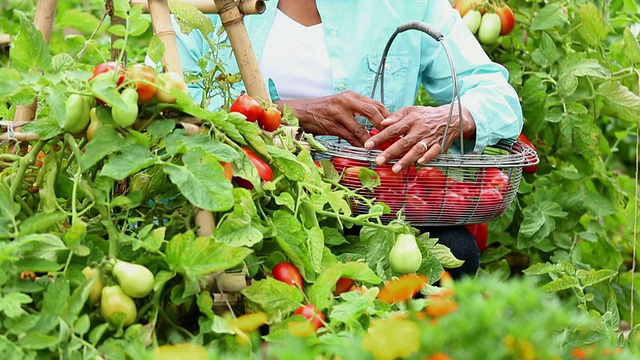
x: 356, y: 32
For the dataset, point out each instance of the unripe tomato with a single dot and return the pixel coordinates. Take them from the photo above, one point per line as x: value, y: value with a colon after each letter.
x: 287, y: 273
x: 167, y: 82
x: 113, y: 301
x: 464, y: 6
x: 94, y: 124
x: 248, y: 106
x: 405, y: 256
x: 145, y: 80
x: 96, y: 290
x: 126, y: 117
x: 472, y: 20
x: 489, y: 28
x: 310, y: 312
x: 507, y: 20
x: 113, y: 68
x: 78, y: 108
x: 136, y: 280
x: 270, y: 118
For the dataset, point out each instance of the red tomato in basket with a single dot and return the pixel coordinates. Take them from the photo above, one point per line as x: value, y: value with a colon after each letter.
x: 455, y: 204
x: 466, y: 189
x: 528, y: 169
x: 417, y: 208
x: 385, y: 145
x: 350, y: 177
x: 390, y: 180
x: 489, y: 199
x: 435, y: 201
x: 415, y: 188
x: 495, y: 178
x: 340, y: 163
x: 431, y: 178
x: 390, y: 198
x: 481, y: 233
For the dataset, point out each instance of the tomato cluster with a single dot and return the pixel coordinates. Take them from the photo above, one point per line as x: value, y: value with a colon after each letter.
x: 486, y: 19
x: 268, y: 116
x: 428, y: 195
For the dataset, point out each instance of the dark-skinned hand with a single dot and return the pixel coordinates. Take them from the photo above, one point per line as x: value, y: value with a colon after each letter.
x: 336, y: 115
x: 422, y: 129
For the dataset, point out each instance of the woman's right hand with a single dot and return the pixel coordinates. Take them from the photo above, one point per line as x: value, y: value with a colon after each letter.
x: 336, y: 115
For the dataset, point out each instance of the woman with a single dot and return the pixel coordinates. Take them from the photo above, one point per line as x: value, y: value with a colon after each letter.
x: 322, y: 56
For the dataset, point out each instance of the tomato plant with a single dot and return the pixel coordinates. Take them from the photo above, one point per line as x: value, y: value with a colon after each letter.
x: 507, y: 20
x: 145, y: 81
x: 166, y: 82
x: 310, y: 312
x: 270, y: 118
x: 249, y: 107
x: 490, y: 28
x: 287, y: 273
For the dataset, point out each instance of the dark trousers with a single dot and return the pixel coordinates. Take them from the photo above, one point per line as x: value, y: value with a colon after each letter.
x: 462, y: 244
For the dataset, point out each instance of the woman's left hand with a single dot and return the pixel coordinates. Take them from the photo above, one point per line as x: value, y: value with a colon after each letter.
x: 420, y: 130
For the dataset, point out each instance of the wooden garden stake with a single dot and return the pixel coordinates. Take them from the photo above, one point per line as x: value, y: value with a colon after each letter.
x: 247, y: 7
x: 162, y: 28
x: 45, y: 13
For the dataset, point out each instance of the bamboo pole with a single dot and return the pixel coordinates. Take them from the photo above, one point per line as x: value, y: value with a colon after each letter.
x: 45, y: 13
x: 163, y: 29
x: 5, y: 40
x: 247, y: 7
x: 234, y: 25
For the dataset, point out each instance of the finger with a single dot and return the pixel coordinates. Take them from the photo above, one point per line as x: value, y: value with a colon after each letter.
x: 380, y: 108
x: 392, y: 133
x: 370, y: 110
x: 410, y: 158
x: 348, y: 135
x: 395, y: 117
x: 430, y: 154
x: 356, y: 130
x: 395, y: 151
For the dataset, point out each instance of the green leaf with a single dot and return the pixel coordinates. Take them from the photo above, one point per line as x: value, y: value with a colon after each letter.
x: 161, y: 128
x: 321, y: 292
x: 550, y: 16
x: 8, y: 211
x: 288, y: 164
x: 285, y: 199
x: 292, y: 239
x: 593, y: 28
x: 583, y: 133
x: 592, y: 276
x: 201, y: 180
x: 315, y: 244
x: 539, y: 222
x: 236, y: 228
x: 562, y: 283
x: 546, y: 54
x: 193, y: 256
x: 45, y: 127
x: 29, y: 51
x: 620, y: 100
x: 190, y: 18
x: 156, y: 49
x: 599, y: 205
x: 333, y: 236
x: 56, y: 96
x: 11, y: 304
x: 131, y: 159
x: 631, y: 46
x: 38, y: 341
x: 106, y: 140
x: 274, y: 297
x: 178, y: 143
x: 251, y: 132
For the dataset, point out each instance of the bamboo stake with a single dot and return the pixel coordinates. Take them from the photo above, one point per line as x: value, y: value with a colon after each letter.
x: 241, y: 45
x: 247, y: 7
x: 45, y: 13
x: 162, y: 28
x: 5, y: 39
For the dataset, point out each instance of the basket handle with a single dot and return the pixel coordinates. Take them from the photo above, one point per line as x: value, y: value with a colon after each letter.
x: 437, y: 36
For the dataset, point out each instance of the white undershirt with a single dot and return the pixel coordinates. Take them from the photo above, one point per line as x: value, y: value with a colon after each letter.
x: 295, y: 57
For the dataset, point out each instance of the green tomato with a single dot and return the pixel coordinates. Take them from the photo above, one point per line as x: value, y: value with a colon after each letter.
x: 115, y: 301
x: 96, y: 290
x: 136, y: 280
x: 472, y: 20
x: 125, y: 117
x: 489, y: 28
x: 405, y: 256
x: 77, y: 113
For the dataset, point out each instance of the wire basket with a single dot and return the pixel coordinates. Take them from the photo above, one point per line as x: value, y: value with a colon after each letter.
x: 452, y: 189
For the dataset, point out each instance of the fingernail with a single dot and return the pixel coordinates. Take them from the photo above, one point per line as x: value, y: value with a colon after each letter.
x: 368, y: 145
x: 396, y: 168
x: 380, y: 160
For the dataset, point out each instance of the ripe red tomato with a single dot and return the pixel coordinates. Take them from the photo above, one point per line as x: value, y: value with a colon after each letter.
x: 385, y: 145
x: 416, y: 207
x: 435, y: 201
x: 287, y: 273
x: 507, y: 20
x: 350, y: 177
x: 464, y: 188
x: 455, y: 205
x: 495, y: 178
x: 389, y: 198
x: 489, y: 199
x: 340, y: 163
x: 110, y: 66
x: 270, y: 118
x: 389, y: 179
x: 264, y: 170
x: 310, y: 312
x: 528, y: 169
x: 343, y: 284
x: 480, y: 232
x: 489, y: 30
x: 431, y: 178
x: 247, y: 106
x: 145, y: 80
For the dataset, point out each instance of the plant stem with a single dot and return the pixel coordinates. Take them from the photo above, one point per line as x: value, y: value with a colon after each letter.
x: 24, y: 164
